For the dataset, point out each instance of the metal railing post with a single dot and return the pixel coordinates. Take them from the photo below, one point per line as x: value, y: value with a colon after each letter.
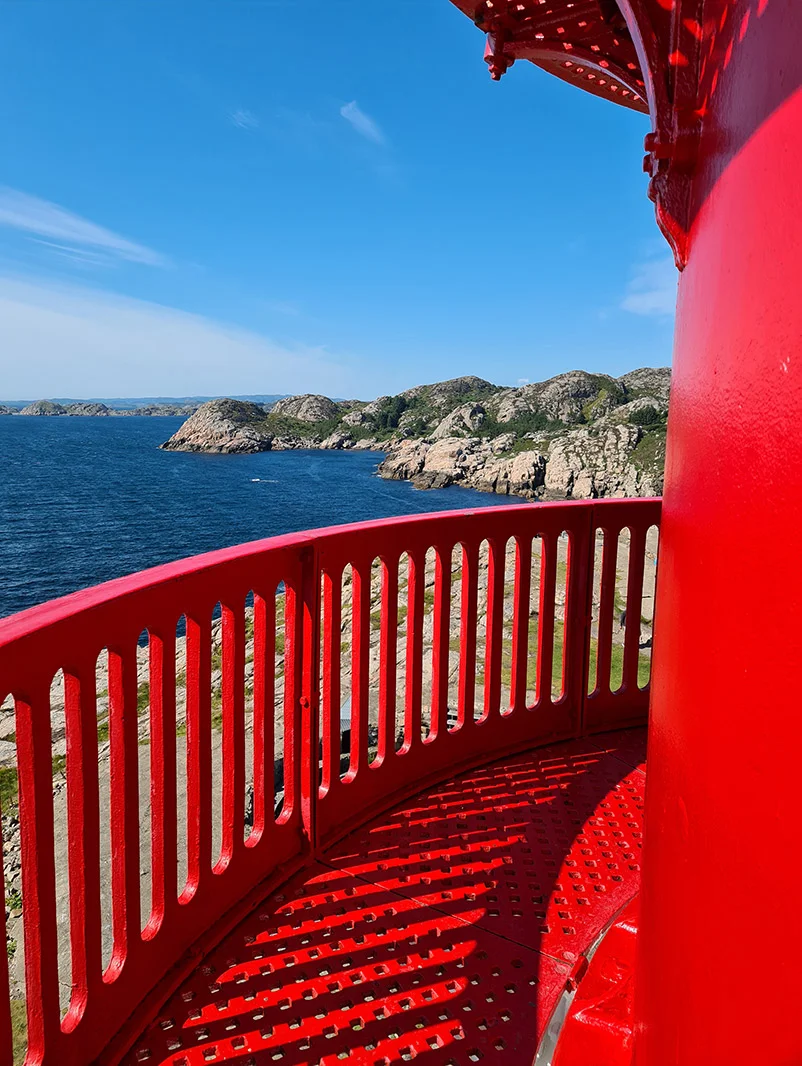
x: 310, y: 691
x: 587, y: 618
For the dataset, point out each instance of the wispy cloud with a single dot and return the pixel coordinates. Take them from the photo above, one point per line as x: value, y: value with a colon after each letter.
x: 246, y: 120
x: 78, y: 341
x: 362, y: 123
x: 652, y: 289
x: 30, y: 214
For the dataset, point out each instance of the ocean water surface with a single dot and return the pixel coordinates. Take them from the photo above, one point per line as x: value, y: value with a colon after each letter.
x: 83, y: 500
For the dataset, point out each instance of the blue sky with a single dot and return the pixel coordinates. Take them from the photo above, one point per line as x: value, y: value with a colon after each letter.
x: 260, y: 197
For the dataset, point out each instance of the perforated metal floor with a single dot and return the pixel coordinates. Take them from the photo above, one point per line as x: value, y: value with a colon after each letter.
x: 446, y: 928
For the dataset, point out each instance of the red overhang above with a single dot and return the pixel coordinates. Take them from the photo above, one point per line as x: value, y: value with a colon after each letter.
x: 585, y: 42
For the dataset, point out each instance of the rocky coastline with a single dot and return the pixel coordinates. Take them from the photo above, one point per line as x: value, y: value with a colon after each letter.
x: 577, y: 435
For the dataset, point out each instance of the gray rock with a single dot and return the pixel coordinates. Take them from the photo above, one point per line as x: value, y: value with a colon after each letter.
x: 44, y: 407
x: 463, y: 421
x: 307, y: 408
x: 223, y: 426
x: 87, y: 409
x: 655, y: 381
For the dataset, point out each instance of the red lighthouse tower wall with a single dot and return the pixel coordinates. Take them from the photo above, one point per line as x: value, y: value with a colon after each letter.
x: 721, y: 918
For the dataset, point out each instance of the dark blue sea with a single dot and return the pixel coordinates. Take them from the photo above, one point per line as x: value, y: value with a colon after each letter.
x: 83, y: 500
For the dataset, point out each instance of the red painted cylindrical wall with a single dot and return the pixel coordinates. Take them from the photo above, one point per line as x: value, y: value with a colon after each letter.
x: 721, y: 916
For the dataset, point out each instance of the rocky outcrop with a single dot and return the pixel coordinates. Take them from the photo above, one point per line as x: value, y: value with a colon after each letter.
x: 307, y: 408
x: 8, y: 410
x: 227, y: 426
x: 462, y: 422
x: 577, y: 435
x: 568, y: 398
x: 587, y: 463
x: 87, y: 409
x: 161, y: 410
x: 44, y: 407
x: 653, y: 381
x: 487, y: 465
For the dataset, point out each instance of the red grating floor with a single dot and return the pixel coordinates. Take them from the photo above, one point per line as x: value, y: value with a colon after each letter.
x: 446, y: 928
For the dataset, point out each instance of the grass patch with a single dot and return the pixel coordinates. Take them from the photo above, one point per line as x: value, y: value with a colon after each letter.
x: 9, y: 787
x: 616, y: 667
x: 19, y: 1030
x: 649, y: 454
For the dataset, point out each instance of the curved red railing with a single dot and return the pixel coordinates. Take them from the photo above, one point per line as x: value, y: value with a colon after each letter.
x: 401, y: 733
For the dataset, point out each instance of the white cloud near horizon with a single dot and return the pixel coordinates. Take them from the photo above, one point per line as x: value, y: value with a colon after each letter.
x: 652, y: 290
x: 70, y: 340
x: 32, y: 215
x: 362, y: 123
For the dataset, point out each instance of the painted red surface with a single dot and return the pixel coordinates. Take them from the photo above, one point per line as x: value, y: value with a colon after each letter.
x: 723, y: 799
x: 598, y: 1030
x: 447, y: 928
x: 108, y: 1008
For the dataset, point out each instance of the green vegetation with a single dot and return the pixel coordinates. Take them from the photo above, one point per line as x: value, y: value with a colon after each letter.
x: 19, y: 1030
x: 389, y: 412
x: 617, y: 667
x: 650, y: 452
x: 646, y: 417
x: 284, y: 426
x: 523, y: 424
x: 9, y: 785
x: 610, y: 394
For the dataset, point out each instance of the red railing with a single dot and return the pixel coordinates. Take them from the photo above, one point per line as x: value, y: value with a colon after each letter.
x: 443, y: 640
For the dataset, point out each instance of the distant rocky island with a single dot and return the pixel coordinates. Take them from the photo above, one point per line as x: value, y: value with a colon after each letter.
x: 160, y: 406
x: 50, y: 408
x: 577, y: 435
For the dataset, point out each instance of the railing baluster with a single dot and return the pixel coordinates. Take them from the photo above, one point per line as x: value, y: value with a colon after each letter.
x: 520, y: 622
x: 37, y: 839
x: 637, y: 549
x: 233, y: 697
x: 293, y: 667
x: 441, y: 622
x: 163, y: 777
x: 360, y: 664
x: 496, y: 560
x: 388, y: 654
x: 264, y: 689
x: 6, y: 1034
x: 124, y: 797
x: 332, y: 620
x: 606, y: 609
x: 414, y: 651
x: 199, y: 753
x: 468, y: 612
x: 83, y: 827
x: 545, y: 629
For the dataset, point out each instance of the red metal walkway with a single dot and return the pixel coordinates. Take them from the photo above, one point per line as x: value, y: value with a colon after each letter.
x: 448, y: 927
